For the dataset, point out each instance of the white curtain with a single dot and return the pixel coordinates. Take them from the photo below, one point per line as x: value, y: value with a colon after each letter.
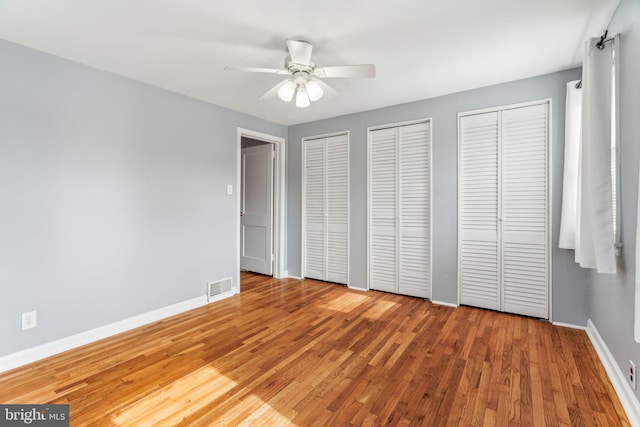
x: 595, y: 237
x: 592, y: 232
x: 572, y: 120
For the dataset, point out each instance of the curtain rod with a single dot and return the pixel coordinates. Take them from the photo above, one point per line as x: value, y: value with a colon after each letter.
x: 603, y: 40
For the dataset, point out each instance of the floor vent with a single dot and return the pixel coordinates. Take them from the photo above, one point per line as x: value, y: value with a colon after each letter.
x: 220, y: 287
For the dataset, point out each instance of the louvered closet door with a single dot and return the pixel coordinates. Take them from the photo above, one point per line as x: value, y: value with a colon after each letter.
x: 525, y: 210
x: 478, y: 268
x: 326, y: 208
x: 337, y: 185
x: 399, y: 210
x: 503, y: 247
x: 314, y: 209
x: 382, y: 210
x: 414, y: 206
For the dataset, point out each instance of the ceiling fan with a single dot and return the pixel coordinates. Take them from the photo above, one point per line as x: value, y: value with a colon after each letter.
x: 304, y: 77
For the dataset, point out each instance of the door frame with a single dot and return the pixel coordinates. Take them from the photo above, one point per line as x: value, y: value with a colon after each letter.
x: 278, y: 196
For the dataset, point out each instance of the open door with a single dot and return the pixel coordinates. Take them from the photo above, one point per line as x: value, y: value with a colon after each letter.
x: 256, y: 209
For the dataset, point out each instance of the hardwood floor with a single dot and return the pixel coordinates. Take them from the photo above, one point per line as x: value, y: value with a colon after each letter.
x: 291, y: 352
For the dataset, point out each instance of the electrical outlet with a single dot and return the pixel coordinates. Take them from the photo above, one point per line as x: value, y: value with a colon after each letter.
x: 632, y: 375
x: 29, y: 320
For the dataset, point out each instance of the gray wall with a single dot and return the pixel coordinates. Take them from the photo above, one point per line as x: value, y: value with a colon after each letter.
x: 612, y: 296
x: 113, y: 196
x: 570, y: 289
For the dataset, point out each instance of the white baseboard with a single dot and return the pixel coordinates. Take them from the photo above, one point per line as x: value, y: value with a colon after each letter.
x: 448, y: 304
x: 33, y: 354
x: 628, y: 399
x: 292, y: 277
x: 569, y: 325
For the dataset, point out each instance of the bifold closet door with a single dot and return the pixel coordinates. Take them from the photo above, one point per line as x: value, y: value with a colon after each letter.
x: 525, y: 212
x: 503, y: 210
x: 337, y: 184
x: 478, y: 211
x: 383, y: 248
x: 400, y: 209
x: 315, y: 244
x: 326, y: 208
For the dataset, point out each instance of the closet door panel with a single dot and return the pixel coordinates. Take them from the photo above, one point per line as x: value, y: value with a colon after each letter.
x: 314, y: 205
x: 383, y: 210
x: 414, y: 210
x: 478, y: 259
x: 504, y: 210
x: 337, y: 185
x: 525, y: 210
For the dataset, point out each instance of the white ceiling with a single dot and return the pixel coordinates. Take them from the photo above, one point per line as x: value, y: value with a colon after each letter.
x: 421, y: 48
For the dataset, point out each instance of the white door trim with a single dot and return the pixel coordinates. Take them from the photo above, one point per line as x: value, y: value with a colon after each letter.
x: 278, y: 196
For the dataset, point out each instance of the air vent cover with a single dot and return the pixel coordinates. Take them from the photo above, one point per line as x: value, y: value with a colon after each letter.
x: 217, y: 288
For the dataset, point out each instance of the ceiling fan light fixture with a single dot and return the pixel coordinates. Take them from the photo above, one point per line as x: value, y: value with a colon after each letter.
x: 304, y: 79
x: 302, y: 98
x: 314, y: 91
x: 287, y: 90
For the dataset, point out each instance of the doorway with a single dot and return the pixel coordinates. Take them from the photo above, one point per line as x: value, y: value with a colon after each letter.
x: 255, y: 250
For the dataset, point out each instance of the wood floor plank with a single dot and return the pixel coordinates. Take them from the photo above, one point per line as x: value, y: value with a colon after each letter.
x: 304, y: 353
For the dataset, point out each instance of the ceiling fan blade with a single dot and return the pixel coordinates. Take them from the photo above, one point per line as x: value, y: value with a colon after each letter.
x: 255, y: 69
x: 362, y: 71
x: 300, y: 51
x: 273, y: 92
